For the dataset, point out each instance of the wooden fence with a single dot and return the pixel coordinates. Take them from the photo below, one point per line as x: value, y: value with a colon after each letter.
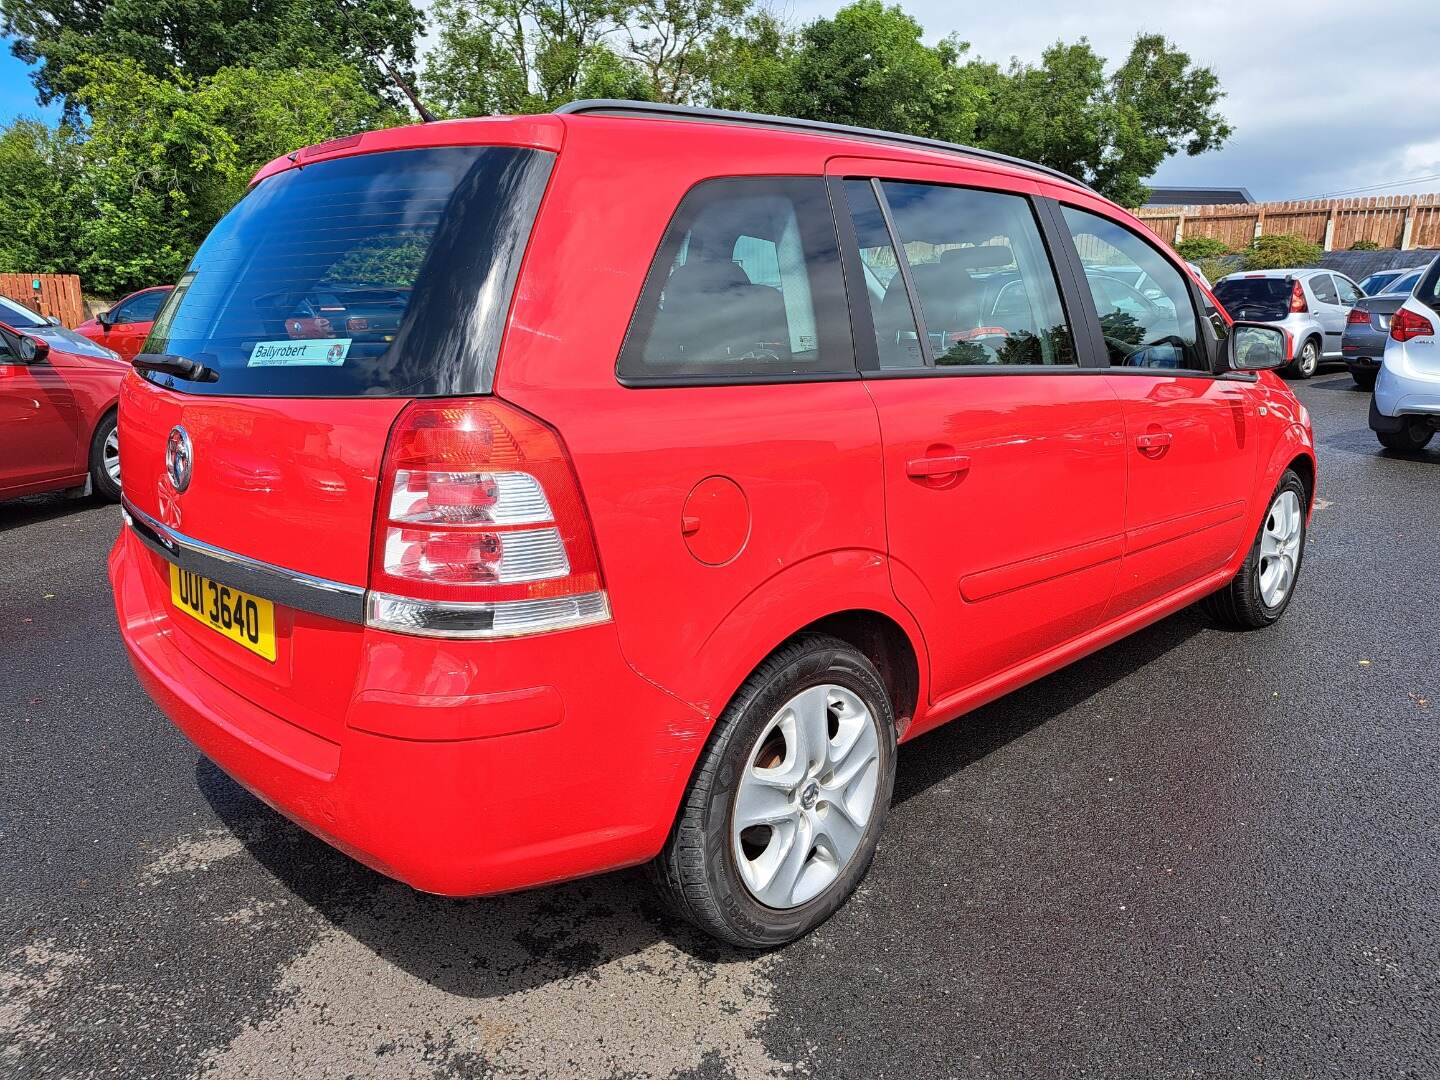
x: 49, y: 294
x: 1391, y: 221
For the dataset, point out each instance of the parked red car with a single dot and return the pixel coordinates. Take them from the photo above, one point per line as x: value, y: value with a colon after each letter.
x: 125, y: 326
x: 58, y: 397
x: 711, y: 457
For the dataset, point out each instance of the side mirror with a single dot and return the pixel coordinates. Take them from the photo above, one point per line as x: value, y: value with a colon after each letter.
x: 25, y: 349
x: 1255, y: 347
x: 106, y: 318
x: 32, y: 349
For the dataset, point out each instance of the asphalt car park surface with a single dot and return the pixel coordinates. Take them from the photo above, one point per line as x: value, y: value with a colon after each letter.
x: 1196, y: 853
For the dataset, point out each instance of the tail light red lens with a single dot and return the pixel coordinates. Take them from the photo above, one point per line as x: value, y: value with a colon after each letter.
x: 1408, y: 324
x: 1297, y: 298
x: 1357, y: 316
x: 481, y: 530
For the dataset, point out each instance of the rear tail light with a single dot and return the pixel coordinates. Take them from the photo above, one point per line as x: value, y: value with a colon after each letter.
x: 1357, y: 316
x: 1407, y: 324
x: 481, y: 531
x: 1297, y: 298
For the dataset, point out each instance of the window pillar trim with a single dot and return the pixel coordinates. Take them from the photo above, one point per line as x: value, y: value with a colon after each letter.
x: 902, y: 261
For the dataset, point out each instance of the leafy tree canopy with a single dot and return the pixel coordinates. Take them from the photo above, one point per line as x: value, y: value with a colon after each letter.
x: 868, y: 65
x: 125, y: 201
x: 197, y: 38
x: 170, y: 105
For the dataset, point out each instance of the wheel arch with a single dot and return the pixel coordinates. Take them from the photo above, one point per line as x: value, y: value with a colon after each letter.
x: 1303, y: 466
x: 884, y: 642
x: 843, y: 593
x: 112, y: 407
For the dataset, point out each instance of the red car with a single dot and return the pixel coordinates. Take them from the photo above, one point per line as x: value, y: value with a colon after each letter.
x: 711, y: 457
x: 58, y: 396
x: 125, y: 326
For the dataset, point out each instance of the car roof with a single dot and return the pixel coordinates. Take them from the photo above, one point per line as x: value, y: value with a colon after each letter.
x: 734, y: 130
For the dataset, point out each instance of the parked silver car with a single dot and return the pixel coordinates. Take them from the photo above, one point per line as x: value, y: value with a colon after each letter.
x: 1367, y: 329
x: 1311, y: 306
x: 1405, y: 411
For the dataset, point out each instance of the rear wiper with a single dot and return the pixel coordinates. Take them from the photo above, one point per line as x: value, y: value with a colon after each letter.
x: 179, y: 366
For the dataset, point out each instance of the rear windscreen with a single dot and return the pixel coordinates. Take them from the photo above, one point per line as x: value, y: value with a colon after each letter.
x: 1258, y: 298
x: 378, y: 274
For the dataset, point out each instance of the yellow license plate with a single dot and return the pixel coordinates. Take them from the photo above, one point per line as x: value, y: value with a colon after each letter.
x: 244, y: 619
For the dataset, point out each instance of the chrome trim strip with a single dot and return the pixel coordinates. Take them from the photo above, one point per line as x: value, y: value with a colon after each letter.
x: 289, y: 588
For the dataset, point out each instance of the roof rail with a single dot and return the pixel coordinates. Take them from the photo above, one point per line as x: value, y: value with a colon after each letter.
x: 659, y: 110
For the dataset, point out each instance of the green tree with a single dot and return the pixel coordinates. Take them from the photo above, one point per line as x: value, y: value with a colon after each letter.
x: 42, y: 204
x: 198, y: 38
x: 1112, y: 131
x: 526, y: 56
x: 159, y: 162
x: 869, y: 66
x: 668, y: 40
x: 750, y: 65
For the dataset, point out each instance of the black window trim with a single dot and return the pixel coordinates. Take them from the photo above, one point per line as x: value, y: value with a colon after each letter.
x: 1209, y: 342
x: 862, y: 317
x: 657, y: 382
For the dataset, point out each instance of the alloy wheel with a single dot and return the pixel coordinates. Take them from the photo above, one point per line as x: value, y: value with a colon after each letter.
x: 1280, y: 548
x: 110, y: 455
x: 805, y: 796
x: 1309, y: 358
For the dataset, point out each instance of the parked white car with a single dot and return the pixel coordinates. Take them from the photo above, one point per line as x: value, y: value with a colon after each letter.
x: 1405, y: 411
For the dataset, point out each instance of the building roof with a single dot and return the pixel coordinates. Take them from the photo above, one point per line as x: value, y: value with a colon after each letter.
x: 1197, y: 196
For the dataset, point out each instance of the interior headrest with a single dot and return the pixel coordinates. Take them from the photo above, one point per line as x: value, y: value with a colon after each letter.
x: 705, y: 275
x: 986, y: 257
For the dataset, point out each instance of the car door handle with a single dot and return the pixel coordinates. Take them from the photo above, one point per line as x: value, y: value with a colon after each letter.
x: 943, y: 465
x: 1153, y: 442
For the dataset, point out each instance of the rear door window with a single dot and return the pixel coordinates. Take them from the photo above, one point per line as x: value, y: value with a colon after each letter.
x: 377, y: 274
x: 1153, y: 328
x: 1323, y: 288
x: 980, y: 274
x: 746, y: 283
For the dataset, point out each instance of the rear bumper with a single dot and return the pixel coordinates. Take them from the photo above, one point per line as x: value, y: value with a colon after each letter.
x: 569, y: 764
x: 1401, y: 389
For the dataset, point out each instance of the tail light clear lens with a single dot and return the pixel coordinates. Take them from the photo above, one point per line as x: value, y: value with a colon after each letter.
x: 1407, y: 324
x: 1297, y: 298
x: 482, y: 531
x: 1358, y: 316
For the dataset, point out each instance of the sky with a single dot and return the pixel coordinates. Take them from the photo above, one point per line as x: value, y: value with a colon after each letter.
x: 1326, y: 97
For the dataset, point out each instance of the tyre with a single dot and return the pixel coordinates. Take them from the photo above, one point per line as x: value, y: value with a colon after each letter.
x: 1307, y: 362
x: 1412, y: 437
x: 105, y: 459
x: 1364, y: 379
x: 784, y: 813
x: 1259, y: 594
